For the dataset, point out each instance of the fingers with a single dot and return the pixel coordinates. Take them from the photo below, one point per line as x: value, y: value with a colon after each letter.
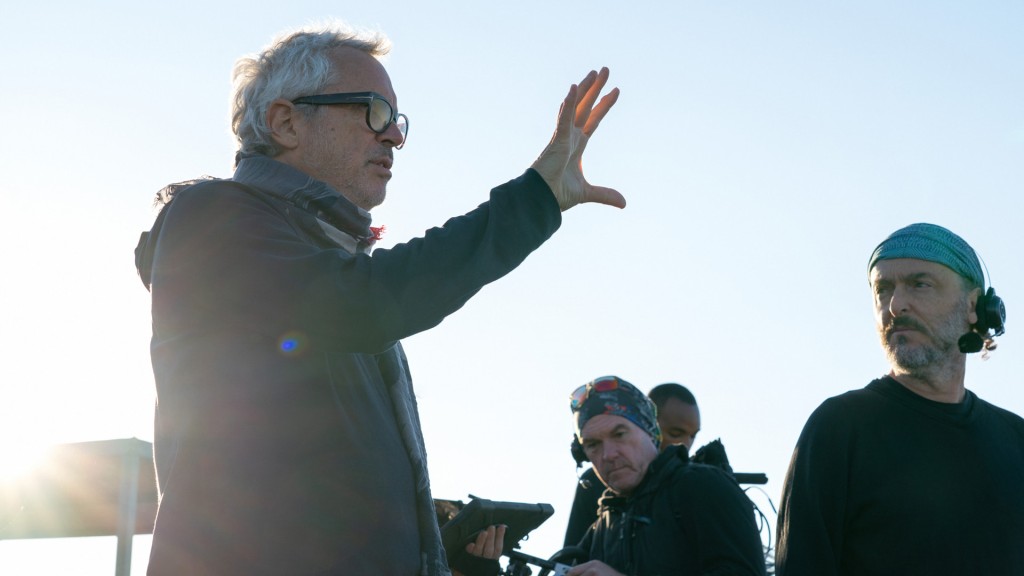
x: 600, y: 110
x: 488, y: 543
x: 595, y: 82
x: 588, y: 81
x: 567, y: 113
x: 590, y: 87
x: 560, y: 164
x: 578, y: 107
x: 606, y: 196
x: 499, y: 541
x: 477, y: 546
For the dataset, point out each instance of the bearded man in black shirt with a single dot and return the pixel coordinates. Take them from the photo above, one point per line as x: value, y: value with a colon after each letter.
x: 913, y: 474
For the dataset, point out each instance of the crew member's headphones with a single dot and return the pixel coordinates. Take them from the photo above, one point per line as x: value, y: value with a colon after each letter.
x: 991, y: 316
x: 577, y: 452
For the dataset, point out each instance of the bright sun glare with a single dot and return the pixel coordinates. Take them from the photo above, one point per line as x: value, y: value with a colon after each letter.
x: 19, y: 459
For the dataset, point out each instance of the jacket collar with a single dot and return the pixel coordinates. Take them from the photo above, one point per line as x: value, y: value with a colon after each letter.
x: 669, y: 458
x: 306, y: 193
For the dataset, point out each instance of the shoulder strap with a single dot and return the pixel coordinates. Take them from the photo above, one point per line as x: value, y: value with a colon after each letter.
x: 681, y: 468
x: 143, y: 250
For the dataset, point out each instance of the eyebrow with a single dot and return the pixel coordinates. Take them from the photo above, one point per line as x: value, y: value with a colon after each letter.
x: 617, y: 428
x: 904, y: 278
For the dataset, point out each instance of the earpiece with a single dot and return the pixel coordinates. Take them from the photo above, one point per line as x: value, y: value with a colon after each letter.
x: 991, y: 316
x: 577, y: 452
x: 991, y: 313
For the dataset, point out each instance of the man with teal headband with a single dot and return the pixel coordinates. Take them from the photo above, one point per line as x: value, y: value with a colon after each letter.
x: 913, y: 474
x: 661, y: 513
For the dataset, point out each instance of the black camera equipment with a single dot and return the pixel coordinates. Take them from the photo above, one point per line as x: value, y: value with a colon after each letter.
x: 557, y: 565
x: 518, y: 518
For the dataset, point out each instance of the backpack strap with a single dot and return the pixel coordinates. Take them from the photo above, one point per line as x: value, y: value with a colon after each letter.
x: 144, y: 251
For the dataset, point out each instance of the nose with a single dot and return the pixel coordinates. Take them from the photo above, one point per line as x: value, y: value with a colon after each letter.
x: 392, y: 135
x: 608, y: 451
x: 898, y: 302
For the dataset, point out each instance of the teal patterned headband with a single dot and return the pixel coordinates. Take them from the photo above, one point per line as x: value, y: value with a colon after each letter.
x: 932, y: 243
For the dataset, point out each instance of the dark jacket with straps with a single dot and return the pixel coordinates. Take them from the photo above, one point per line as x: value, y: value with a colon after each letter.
x: 589, y: 490
x: 683, y: 519
x: 287, y: 436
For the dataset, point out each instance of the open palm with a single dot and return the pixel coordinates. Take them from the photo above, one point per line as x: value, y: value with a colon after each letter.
x: 561, y: 162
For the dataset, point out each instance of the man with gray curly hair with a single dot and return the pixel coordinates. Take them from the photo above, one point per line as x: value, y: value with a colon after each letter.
x: 287, y: 435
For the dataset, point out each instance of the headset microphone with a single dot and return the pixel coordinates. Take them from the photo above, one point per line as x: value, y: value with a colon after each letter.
x: 991, y: 313
x: 971, y: 342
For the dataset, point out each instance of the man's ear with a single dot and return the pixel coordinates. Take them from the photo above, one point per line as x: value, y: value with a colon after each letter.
x: 283, y: 121
x: 972, y: 305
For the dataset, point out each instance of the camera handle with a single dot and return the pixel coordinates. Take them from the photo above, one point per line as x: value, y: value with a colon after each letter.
x: 518, y: 565
x: 557, y: 565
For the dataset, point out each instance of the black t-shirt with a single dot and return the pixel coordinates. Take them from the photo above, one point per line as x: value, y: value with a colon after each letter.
x: 884, y: 481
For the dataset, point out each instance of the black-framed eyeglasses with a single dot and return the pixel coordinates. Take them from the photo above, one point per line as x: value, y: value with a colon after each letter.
x: 379, y: 113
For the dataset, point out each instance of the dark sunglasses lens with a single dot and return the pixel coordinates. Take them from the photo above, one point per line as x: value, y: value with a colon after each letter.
x: 379, y: 115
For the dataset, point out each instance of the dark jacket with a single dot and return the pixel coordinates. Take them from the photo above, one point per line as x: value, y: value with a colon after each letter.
x: 287, y: 437
x: 589, y: 490
x: 683, y: 519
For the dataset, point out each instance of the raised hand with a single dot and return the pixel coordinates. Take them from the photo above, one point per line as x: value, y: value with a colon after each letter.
x: 561, y: 162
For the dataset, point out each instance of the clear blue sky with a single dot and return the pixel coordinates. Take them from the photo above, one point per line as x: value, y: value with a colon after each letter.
x: 764, y: 148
